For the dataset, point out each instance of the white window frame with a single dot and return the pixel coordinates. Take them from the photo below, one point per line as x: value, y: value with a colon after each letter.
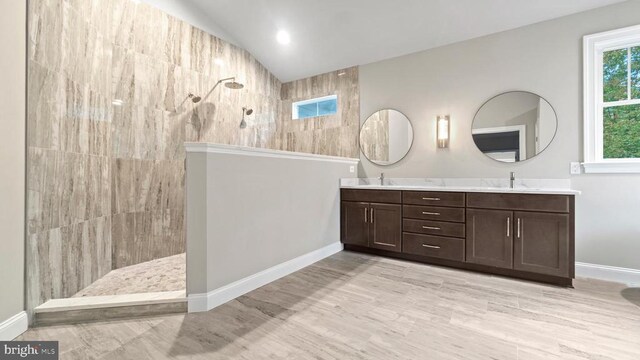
x: 296, y: 104
x: 594, y: 47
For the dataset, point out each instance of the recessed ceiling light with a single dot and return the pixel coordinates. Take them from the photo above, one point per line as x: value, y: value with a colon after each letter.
x: 136, y: 1
x: 218, y: 61
x: 283, y: 37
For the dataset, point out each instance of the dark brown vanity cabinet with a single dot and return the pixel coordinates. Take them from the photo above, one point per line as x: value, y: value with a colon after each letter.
x: 372, y: 224
x: 529, y: 236
x: 533, y: 233
x: 542, y: 243
x: 490, y: 237
x: 354, y: 224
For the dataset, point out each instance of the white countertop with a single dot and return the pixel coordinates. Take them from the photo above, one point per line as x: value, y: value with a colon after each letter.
x: 522, y: 186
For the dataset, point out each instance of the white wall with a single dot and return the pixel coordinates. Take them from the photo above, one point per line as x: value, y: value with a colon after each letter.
x: 544, y: 58
x: 12, y: 160
x: 247, y: 212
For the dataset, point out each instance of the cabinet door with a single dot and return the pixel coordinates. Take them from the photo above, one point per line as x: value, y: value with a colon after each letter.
x: 355, y: 223
x: 385, y: 227
x: 489, y: 238
x: 541, y: 243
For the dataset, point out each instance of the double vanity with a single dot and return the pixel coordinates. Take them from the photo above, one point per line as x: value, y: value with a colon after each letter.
x: 523, y: 232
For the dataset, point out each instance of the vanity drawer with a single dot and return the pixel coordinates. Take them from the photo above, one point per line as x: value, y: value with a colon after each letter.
x: 433, y: 246
x: 433, y: 213
x: 377, y: 196
x: 435, y: 198
x: 434, y: 227
x: 530, y: 202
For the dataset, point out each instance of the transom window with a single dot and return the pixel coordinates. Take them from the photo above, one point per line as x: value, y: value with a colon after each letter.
x: 612, y: 101
x: 326, y: 105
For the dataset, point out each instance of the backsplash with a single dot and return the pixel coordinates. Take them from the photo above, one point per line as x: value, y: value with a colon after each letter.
x: 105, y: 132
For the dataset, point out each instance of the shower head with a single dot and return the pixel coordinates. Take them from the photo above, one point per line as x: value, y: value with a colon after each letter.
x: 194, y: 99
x: 234, y: 85
x: 245, y: 111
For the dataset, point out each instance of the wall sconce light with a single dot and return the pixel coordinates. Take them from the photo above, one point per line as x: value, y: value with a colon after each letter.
x: 443, y: 131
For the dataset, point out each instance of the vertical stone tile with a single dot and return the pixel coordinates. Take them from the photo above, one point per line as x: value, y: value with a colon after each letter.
x: 150, y: 27
x: 200, y: 52
x: 141, y: 249
x: 46, y: 24
x: 123, y: 75
x: 122, y: 239
x: 122, y: 186
x: 150, y: 85
x: 122, y: 133
x: 47, y: 96
x: 123, y: 13
x: 72, y: 268
x: 43, y: 203
x: 173, y: 136
x: 173, y: 47
x: 104, y: 246
x: 145, y: 183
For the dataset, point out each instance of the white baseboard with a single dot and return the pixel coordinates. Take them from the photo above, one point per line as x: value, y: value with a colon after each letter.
x: 14, y: 326
x: 217, y: 297
x: 631, y: 277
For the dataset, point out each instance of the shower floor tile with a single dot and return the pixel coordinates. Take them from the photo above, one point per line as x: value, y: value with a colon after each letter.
x: 165, y: 274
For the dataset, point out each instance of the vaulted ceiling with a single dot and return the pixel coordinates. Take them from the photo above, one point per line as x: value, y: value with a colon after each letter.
x: 327, y: 35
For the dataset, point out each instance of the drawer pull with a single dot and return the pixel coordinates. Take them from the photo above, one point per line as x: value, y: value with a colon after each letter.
x: 431, y: 199
x: 431, y: 228
x: 431, y: 246
x: 430, y: 213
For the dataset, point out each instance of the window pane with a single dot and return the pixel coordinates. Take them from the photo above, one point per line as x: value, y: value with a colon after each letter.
x: 635, y: 72
x: 615, y: 75
x: 307, y: 110
x: 622, y: 132
x: 327, y: 107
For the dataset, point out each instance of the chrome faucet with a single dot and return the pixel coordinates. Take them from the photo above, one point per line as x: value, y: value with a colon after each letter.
x: 381, y: 179
x: 512, y: 178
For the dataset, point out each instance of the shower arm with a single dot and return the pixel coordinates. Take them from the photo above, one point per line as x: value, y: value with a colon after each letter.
x: 216, y: 85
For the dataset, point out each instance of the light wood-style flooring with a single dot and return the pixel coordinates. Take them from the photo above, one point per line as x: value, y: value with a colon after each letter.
x: 354, y: 306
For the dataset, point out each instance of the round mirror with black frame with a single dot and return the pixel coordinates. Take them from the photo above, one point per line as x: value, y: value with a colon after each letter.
x: 514, y: 126
x: 386, y: 137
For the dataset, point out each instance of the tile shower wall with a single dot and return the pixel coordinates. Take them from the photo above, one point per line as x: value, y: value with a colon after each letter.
x: 105, y: 180
x: 332, y: 134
